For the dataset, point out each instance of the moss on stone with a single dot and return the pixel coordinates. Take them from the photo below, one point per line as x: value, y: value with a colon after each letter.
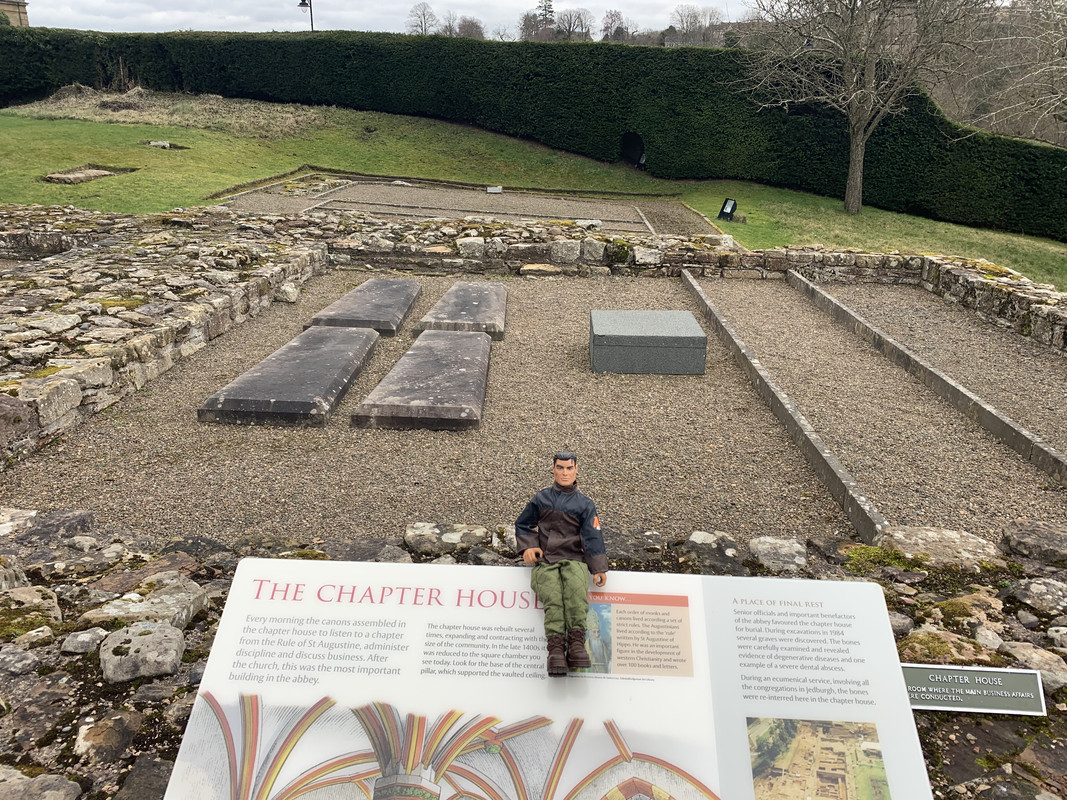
x: 45, y: 372
x: 129, y: 303
x: 306, y: 554
x: 866, y: 558
x: 16, y: 621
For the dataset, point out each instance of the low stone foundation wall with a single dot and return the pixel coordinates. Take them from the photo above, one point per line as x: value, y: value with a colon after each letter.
x: 995, y: 293
x: 571, y: 252
x: 129, y: 297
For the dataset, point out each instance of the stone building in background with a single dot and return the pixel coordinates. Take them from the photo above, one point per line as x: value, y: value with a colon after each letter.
x: 15, y: 11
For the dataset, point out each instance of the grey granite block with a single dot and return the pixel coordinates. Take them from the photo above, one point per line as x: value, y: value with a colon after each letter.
x: 469, y: 306
x: 439, y: 383
x: 298, y: 384
x: 646, y: 342
x: 379, y: 303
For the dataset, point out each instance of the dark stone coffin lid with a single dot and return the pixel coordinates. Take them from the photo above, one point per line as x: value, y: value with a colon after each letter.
x: 379, y: 303
x: 299, y: 383
x: 645, y: 329
x: 469, y: 306
x: 439, y: 383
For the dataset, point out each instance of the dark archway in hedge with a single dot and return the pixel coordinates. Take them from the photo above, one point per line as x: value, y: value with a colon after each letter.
x: 632, y: 149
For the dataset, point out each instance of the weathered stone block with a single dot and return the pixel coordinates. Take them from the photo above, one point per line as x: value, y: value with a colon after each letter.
x: 107, y: 740
x: 1044, y: 595
x: 540, y: 270
x: 168, y: 597
x: 439, y: 383
x: 53, y: 397
x: 528, y: 253
x: 143, y: 650
x: 379, y: 303
x: 429, y: 539
x: 471, y: 247
x: 469, y: 306
x: 88, y: 372
x: 593, y: 250
x: 941, y: 548
x: 566, y: 251
x: 646, y: 342
x: 299, y: 384
x: 18, y: 421
x: 780, y: 555
x: 647, y: 257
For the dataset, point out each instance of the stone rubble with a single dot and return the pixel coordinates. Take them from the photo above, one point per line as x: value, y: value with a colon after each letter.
x: 96, y: 708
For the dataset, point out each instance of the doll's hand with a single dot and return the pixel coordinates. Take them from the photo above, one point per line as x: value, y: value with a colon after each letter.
x: 532, y: 555
x: 600, y: 578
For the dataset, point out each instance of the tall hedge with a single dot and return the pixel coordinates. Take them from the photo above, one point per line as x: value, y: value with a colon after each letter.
x: 686, y: 104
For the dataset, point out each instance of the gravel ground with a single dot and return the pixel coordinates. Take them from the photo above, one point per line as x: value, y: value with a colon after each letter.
x: 1021, y: 378
x: 667, y: 453
x: 427, y: 201
x: 921, y: 462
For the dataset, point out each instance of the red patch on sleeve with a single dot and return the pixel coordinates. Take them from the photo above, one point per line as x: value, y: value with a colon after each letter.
x: 596, y: 521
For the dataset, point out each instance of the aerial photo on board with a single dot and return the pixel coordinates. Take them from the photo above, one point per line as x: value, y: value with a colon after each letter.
x: 816, y: 760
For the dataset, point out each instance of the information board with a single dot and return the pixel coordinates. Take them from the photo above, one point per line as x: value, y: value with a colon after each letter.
x: 979, y: 689
x: 332, y: 680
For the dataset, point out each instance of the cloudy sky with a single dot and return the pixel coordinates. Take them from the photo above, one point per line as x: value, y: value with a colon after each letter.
x: 283, y: 15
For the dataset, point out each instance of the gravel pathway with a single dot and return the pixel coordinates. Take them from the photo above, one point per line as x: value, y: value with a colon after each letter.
x: 921, y: 462
x: 1022, y: 379
x: 667, y: 453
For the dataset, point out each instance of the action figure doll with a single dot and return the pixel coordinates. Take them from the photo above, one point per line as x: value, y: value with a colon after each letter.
x: 558, y: 533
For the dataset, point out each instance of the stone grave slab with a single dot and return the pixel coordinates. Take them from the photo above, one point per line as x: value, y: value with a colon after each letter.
x: 646, y: 342
x: 379, y: 303
x: 299, y: 384
x: 439, y: 383
x: 469, y: 306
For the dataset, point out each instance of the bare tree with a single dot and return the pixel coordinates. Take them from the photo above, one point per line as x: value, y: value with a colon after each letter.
x: 686, y: 20
x: 1020, y: 84
x: 611, y: 22
x: 470, y: 28
x: 502, y: 33
x: 574, y: 24
x: 709, y: 18
x: 861, y: 58
x: 422, y: 20
x: 449, y: 24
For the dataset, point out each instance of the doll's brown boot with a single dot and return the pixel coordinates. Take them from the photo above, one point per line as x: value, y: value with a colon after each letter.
x: 557, y: 661
x: 577, y: 655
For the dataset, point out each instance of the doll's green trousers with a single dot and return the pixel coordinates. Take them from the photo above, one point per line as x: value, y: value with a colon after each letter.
x: 562, y: 588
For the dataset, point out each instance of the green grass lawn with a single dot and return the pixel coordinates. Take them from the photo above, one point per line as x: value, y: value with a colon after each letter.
x: 779, y: 217
x: 222, y: 154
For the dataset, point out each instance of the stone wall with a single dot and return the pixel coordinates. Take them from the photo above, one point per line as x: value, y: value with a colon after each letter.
x: 995, y: 293
x: 128, y: 298
x: 487, y: 247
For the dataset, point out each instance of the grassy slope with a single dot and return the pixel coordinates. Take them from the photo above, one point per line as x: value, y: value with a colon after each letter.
x: 383, y: 144
x: 779, y: 217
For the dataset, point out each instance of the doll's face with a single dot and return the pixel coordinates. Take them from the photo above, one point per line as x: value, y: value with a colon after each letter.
x: 565, y: 472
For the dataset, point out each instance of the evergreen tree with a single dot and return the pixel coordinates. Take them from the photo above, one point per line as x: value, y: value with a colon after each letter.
x: 545, y: 13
